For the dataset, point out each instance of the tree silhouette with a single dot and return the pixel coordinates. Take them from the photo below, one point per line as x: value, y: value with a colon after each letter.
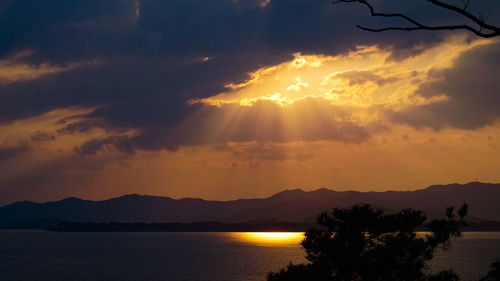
x: 483, y: 29
x: 362, y: 243
x: 494, y: 274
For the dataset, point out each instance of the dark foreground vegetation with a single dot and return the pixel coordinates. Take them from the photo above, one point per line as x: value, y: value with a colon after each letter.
x: 361, y: 244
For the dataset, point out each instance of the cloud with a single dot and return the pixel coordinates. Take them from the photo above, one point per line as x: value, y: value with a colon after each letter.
x: 81, y: 80
x: 40, y: 136
x: 472, y: 88
x: 139, y: 62
x: 330, y: 99
x: 310, y: 119
x: 92, y: 146
x: 8, y: 152
x: 12, y: 69
x: 360, y: 77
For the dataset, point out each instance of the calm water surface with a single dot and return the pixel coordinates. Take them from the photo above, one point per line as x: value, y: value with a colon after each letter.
x: 53, y: 256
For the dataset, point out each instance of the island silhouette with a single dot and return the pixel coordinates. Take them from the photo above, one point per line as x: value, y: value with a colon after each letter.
x: 290, y: 210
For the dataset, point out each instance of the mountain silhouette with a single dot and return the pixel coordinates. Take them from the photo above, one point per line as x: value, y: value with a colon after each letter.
x: 289, y: 205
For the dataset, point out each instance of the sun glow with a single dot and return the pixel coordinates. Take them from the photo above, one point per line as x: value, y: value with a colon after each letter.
x: 269, y: 237
x: 361, y: 78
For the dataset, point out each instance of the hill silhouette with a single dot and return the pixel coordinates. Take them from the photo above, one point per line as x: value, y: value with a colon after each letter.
x: 289, y: 205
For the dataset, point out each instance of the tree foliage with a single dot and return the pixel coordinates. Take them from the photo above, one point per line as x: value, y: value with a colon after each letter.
x: 362, y: 243
x: 494, y: 274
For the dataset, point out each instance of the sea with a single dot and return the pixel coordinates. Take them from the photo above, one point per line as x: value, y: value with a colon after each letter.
x: 200, y: 256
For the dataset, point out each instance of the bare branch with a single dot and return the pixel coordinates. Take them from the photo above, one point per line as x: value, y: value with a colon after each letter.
x: 466, y: 4
x: 485, y: 30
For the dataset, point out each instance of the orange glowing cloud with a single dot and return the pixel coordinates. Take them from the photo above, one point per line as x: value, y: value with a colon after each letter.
x: 362, y: 78
x: 14, y: 69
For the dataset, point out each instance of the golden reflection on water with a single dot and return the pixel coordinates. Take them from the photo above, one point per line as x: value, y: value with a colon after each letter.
x: 269, y: 238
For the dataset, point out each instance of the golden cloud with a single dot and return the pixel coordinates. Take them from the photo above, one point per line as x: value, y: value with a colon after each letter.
x: 14, y: 69
x: 362, y: 78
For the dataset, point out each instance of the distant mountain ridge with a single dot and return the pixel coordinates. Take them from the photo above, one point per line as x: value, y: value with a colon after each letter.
x: 289, y: 205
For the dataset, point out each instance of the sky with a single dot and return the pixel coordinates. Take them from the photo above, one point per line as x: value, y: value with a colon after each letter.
x: 227, y: 99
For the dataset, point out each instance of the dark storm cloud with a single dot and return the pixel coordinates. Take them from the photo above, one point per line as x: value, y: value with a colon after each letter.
x: 60, y: 30
x: 147, y: 56
x: 473, y: 89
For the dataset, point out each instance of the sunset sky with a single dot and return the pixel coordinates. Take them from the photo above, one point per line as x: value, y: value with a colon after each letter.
x: 227, y: 99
